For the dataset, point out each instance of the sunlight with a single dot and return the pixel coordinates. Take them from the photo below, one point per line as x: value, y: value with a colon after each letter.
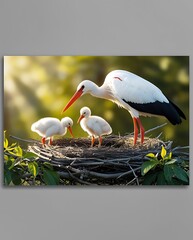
x: 183, y: 76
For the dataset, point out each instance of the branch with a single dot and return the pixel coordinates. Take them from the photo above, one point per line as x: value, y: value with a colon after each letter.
x: 24, y: 140
x: 152, y: 129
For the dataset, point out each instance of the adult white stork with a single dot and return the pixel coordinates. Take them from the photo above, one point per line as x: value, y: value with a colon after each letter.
x: 95, y: 126
x: 48, y: 127
x: 133, y: 93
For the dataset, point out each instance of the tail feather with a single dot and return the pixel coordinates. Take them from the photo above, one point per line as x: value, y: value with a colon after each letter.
x: 168, y: 110
x: 178, y: 110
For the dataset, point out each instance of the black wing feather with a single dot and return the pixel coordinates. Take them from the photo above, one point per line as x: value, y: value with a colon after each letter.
x: 168, y: 110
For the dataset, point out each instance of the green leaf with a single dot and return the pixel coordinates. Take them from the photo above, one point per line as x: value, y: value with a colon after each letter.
x: 161, y: 179
x: 10, y: 163
x: 48, y: 165
x: 33, y: 168
x: 151, y: 155
x: 170, y: 155
x: 163, y: 152
x: 30, y: 155
x: 184, y: 163
x: 12, y: 146
x: 146, y: 166
x: 181, y: 174
x: 15, y: 178
x: 5, y: 143
x: 176, y: 181
x: 168, y: 173
x: 7, y: 176
x: 50, y: 177
x: 171, y: 162
x: 5, y: 140
x: 18, y: 151
x: 150, y: 178
x: 6, y: 158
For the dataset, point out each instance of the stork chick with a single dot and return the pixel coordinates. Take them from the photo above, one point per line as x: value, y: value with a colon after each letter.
x: 48, y: 127
x: 95, y: 126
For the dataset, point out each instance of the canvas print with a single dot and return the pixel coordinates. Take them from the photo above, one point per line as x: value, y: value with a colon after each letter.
x: 96, y: 120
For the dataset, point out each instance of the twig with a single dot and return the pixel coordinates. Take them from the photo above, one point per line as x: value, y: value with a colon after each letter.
x: 24, y: 140
x: 128, y: 172
x: 77, y: 179
x: 152, y: 129
x: 177, y: 148
x: 136, y: 177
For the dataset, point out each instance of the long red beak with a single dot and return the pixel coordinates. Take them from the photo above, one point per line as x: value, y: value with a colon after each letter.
x: 80, y: 118
x: 70, y: 130
x: 73, y: 99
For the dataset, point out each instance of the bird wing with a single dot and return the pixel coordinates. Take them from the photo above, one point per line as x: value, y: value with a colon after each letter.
x: 43, y: 124
x: 98, y: 125
x: 132, y: 88
x: 53, y: 130
x: 141, y: 97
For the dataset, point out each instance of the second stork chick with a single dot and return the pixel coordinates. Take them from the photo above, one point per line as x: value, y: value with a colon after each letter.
x: 95, y: 126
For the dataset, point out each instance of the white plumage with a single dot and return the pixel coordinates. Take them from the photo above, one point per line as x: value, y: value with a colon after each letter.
x: 48, y: 127
x: 95, y: 126
x: 133, y: 93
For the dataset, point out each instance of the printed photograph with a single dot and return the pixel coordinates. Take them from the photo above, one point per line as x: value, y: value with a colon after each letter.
x: 96, y: 121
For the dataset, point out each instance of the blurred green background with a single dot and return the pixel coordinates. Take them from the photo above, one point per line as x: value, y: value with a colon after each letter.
x: 40, y: 86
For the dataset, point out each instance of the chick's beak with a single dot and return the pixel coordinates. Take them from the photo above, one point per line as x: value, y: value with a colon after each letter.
x: 80, y: 118
x: 70, y: 130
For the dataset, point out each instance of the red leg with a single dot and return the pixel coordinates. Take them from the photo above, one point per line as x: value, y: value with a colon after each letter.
x: 92, y: 141
x: 135, y: 130
x: 142, y: 130
x: 100, y: 141
x: 43, y: 140
x: 51, y: 140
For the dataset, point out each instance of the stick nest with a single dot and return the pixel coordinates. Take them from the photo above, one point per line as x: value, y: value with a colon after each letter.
x: 116, y: 162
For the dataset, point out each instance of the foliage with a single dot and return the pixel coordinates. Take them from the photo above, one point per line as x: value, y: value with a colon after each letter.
x: 22, y: 167
x: 162, y: 169
x: 119, y: 164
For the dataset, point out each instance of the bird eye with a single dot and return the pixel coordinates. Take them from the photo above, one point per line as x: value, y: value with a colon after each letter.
x: 84, y: 112
x: 82, y: 87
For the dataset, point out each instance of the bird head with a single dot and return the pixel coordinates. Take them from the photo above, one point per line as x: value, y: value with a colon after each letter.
x: 84, y: 113
x: 68, y: 123
x: 84, y: 87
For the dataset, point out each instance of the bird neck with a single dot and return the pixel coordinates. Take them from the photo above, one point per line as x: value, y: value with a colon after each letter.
x: 63, y: 131
x: 100, y: 92
x: 63, y: 128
